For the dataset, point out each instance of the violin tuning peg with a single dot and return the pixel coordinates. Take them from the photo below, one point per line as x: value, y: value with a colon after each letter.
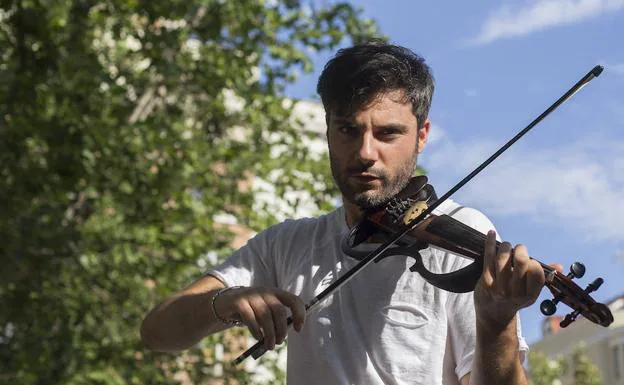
x: 594, y: 285
x: 569, y: 318
x: 565, y: 322
x: 548, y: 307
x: 577, y: 270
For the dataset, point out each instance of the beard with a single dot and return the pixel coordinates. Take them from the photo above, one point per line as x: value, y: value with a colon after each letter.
x: 372, y: 198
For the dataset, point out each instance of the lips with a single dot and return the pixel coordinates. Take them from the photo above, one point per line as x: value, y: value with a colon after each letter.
x: 363, y: 177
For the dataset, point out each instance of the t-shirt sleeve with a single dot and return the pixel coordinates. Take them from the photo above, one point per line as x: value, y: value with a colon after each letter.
x: 251, y: 265
x: 460, y: 308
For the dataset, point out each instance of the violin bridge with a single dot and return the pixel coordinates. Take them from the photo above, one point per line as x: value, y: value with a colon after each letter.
x: 414, y: 211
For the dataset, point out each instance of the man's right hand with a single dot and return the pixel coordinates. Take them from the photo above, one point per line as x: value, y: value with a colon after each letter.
x: 265, y: 311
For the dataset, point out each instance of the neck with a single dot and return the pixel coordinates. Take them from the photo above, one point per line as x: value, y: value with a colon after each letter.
x: 353, y: 213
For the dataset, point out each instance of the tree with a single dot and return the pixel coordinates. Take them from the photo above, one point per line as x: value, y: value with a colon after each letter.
x: 585, y: 371
x: 545, y: 371
x: 119, y: 148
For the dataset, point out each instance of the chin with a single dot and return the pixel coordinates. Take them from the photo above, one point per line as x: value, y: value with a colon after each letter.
x: 366, y: 197
x: 370, y: 200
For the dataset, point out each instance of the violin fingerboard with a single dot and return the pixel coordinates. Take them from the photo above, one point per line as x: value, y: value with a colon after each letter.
x: 463, y: 236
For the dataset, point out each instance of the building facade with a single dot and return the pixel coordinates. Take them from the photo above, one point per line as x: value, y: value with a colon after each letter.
x: 604, y: 346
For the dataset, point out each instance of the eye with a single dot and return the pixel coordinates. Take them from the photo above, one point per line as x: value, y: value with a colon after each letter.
x: 348, y: 129
x: 388, y: 133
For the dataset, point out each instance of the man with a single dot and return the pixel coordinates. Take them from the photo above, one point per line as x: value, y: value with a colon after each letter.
x: 387, y: 325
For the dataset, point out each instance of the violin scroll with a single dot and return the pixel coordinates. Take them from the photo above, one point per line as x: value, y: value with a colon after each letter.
x: 548, y: 307
x: 564, y: 290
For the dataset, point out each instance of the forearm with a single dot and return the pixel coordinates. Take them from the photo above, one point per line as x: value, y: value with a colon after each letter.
x: 179, y: 322
x: 497, y: 356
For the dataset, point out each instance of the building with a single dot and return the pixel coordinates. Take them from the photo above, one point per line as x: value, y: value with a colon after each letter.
x: 604, y: 346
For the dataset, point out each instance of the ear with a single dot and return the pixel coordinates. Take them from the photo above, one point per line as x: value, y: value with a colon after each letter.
x: 423, y: 135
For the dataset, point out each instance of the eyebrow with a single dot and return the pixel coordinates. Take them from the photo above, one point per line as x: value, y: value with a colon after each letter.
x: 341, y: 119
x: 390, y: 126
x: 402, y: 128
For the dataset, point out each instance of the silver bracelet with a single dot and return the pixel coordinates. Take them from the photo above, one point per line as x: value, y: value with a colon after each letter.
x: 232, y: 322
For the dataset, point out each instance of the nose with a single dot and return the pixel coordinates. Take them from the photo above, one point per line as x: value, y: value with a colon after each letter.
x: 368, y: 151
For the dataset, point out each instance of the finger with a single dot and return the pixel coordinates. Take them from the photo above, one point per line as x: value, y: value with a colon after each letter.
x: 535, y: 280
x: 518, y: 276
x: 265, y: 320
x: 279, y: 313
x: 248, y: 317
x: 296, y: 306
x: 503, y: 267
x: 557, y: 266
x: 489, y: 255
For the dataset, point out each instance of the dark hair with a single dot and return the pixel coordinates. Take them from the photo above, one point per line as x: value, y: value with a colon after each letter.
x: 359, y: 74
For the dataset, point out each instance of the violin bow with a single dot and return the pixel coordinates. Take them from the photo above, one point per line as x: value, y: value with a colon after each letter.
x: 258, y: 349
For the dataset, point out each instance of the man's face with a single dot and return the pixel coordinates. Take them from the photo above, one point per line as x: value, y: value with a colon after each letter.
x: 373, y: 152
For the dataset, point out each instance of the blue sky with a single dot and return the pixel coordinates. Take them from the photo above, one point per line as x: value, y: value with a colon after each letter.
x: 499, y: 64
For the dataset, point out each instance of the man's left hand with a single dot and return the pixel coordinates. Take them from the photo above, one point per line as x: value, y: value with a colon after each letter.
x: 510, y: 281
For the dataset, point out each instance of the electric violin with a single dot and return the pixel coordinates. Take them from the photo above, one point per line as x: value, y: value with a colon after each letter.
x: 406, y: 224
x: 445, y: 232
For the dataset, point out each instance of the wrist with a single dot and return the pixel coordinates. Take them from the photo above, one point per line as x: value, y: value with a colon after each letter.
x: 493, y: 333
x: 492, y: 316
x: 225, y: 319
x: 497, y: 353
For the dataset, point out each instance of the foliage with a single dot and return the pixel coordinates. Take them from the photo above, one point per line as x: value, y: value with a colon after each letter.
x: 544, y: 371
x: 578, y: 367
x: 585, y: 371
x: 126, y: 128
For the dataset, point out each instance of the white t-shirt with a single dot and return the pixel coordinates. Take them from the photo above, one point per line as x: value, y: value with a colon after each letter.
x: 387, y: 325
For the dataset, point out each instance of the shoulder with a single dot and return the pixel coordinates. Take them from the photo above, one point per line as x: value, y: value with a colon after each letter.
x: 304, y: 230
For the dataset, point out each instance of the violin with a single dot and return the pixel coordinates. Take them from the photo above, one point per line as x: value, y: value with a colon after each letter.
x: 449, y: 234
x: 406, y: 224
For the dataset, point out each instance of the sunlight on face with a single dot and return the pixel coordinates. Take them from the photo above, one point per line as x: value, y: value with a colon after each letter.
x: 373, y: 152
